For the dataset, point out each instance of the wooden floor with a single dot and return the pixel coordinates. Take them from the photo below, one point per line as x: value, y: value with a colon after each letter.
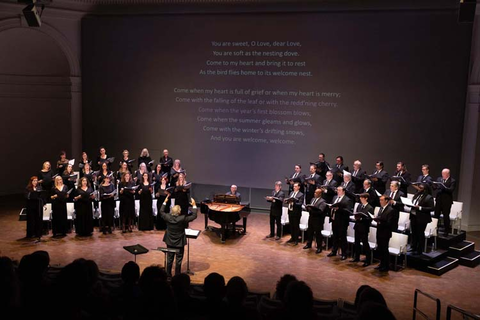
x: 259, y: 261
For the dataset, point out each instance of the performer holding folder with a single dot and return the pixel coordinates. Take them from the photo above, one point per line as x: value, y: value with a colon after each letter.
x: 276, y: 200
x: 107, y: 193
x: 318, y: 210
x: 363, y: 220
x: 295, y: 201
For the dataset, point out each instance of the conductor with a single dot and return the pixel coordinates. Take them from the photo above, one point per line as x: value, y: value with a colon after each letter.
x: 175, y: 235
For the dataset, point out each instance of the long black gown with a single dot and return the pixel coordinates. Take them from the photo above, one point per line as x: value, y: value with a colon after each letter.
x: 160, y: 223
x: 108, y: 206
x: 59, y: 211
x: 34, y: 208
x: 127, y: 205
x: 47, y: 183
x: 182, y: 198
x: 83, y: 209
x: 145, y: 217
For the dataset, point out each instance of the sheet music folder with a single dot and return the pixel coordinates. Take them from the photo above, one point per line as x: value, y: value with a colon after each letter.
x: 136, y: 249
x: 191, y: 233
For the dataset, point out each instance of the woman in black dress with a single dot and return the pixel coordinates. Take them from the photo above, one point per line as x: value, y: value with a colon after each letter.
x: 182, y: 193
x: 127, y: 202
x: 107, y: 194
x: 139, y: 173
x: 161, y: 194
x: 45, y: 178
x: 125, y: 158
x: 34, y: 207
x: 102, y: 158
x: 145, y: 158
x: 83, y: 208
x: 62, y: 162
x: 87, y: 173
x: 83, y: 161
x: 145, y: 217
x: 103, y: 173
x: 175, y: 171
x: 59, y: 207
x: 123, y: 169
x: 69, y: 179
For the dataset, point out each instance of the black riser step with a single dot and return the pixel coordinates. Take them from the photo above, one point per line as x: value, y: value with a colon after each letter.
x: 440, y: 267
x: 444, y: 242
x: 461, y: 249
x: 471, y: 259
x: 421, y: 262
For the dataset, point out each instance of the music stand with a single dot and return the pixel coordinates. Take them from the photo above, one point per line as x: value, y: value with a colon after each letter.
x: 167, y: 250
x: 135, y: 250
x: 190, y: 234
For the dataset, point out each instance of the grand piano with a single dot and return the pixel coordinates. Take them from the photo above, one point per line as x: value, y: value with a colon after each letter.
x: 226, y: 210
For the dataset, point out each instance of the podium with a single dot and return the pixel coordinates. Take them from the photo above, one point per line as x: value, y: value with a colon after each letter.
x: 165, y: 251
x: 136, y: 250
x: 190, y: 234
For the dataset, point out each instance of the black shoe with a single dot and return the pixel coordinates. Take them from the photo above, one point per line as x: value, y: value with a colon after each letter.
x: 355, y: 260
x: 365, y: 264
x: 318, y: 251
x: 269, y: 236
x: 308, y: 246
x: 290, y: 240
x: 277, y: 238
x: 332, y: 254
x: 385, y: 269
x: 344, y: 258
x: 295, y: 243
x: 104, y: 232
x: 378, y: 267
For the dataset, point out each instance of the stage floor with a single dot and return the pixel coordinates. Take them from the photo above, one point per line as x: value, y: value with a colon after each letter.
x: 259, y: 261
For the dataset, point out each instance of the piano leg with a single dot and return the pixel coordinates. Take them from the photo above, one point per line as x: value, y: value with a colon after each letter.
x: 206, y: 221
x: 223, y: 233
x: 244, y: 225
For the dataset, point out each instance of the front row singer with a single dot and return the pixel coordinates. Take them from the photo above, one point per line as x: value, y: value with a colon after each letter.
x: 276, y: 206
x: 295, y: 201
x: 175, y: 235
x: 317, y: 208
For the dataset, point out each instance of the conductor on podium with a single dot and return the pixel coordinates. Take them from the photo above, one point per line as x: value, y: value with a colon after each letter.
x: 175, y: 235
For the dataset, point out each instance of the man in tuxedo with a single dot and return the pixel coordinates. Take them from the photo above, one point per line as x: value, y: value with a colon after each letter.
x: 349, y: 186
x: 175, y: 235
x: 297, y: 176
x: 276, y: 205
x: 395, y: 194
x: 363, y: 219
x: 340, y: 215
x: 328, y: 187
x: 295, y: 202
x: 337, y: 170
x: 372, y: 194
x: 166, y: 162
x: 402, y: 176
x: 420, y: 217
x: 322, y: 166
x: 387, y: 220
x: 317, y: 209
x: 425, y: 178
x: 358, y: 176
x: 379, y: 178
x: 311, y: 183
x: 233, y: 192
x: 445, y: 186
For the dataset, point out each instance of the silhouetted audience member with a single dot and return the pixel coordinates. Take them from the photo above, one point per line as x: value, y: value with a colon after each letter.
x: 32, y: 272
x: 298, y: 303
x: 214, y: 289
x: 9, y: 287
x: 375, y: 311
x: 156, y: 300
x: 129, y: 293
x: 282, y: 286
x: 188, y: 306
x: 236, y: 295
x: 79, y: 294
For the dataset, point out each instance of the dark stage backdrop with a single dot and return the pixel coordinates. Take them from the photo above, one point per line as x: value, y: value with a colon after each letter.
x: 241, y: 98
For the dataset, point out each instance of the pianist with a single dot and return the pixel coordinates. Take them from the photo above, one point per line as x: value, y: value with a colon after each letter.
x: 233, y: 192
